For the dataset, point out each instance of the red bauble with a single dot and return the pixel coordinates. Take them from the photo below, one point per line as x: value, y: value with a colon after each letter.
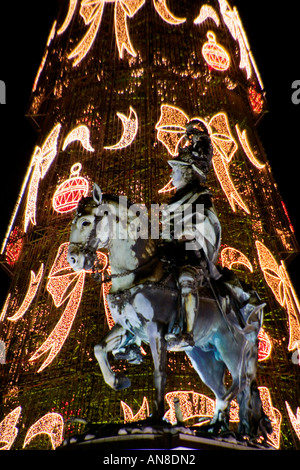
x: 214, y: 54
x: 264, y: 345
x: 69, y: 193
x: 14, y: 246
x: 256, y: 99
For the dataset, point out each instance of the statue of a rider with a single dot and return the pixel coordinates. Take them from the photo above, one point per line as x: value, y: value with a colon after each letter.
x: 195, y: 246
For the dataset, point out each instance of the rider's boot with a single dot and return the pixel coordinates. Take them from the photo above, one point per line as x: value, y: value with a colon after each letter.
x: 190, y: 301
x: 189, y: 305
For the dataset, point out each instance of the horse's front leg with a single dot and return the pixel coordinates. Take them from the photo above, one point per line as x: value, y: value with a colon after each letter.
x: 156, y: 333
x: 113, y: 340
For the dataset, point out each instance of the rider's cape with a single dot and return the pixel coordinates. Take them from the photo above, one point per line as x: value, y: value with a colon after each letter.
x: 193, y: 203
x: 191, y: 224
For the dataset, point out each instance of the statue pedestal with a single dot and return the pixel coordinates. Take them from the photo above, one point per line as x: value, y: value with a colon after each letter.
x: 137, y: 437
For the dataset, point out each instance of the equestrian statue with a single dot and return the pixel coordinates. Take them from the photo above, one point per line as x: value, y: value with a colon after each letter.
x: 168, y: 292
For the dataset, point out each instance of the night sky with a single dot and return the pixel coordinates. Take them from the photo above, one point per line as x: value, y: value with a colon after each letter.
x: 273, y: 34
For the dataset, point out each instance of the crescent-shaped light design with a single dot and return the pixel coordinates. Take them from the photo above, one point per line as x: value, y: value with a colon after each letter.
x: 81, y: 133
x: 130, y: 128
x: 163, y: 11
x: 32, y: 290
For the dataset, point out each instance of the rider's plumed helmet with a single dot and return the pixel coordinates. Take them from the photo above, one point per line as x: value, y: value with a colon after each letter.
x: 196, y: 150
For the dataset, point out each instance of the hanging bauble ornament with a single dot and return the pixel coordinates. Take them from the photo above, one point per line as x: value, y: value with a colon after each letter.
x: 14, y: 246
x: 69, y: 193
x: 264, y: 345
x: 256, y: 99
x: 214, y: 54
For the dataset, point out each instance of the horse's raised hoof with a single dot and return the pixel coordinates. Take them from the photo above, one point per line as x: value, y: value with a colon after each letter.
x: 131, y: 353
x: 121, y: 382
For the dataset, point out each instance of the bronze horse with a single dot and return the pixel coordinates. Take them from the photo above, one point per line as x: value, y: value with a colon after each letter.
x: 143, y: 301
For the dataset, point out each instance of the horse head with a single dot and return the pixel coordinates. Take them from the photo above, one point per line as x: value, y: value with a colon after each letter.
x: 84, y: 237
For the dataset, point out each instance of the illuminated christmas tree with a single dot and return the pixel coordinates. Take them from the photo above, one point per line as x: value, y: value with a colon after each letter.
x: 117, y: 84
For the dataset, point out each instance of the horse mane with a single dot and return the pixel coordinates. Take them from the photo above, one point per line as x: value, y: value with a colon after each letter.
x: 107, y: 197
x: 88, y: 201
